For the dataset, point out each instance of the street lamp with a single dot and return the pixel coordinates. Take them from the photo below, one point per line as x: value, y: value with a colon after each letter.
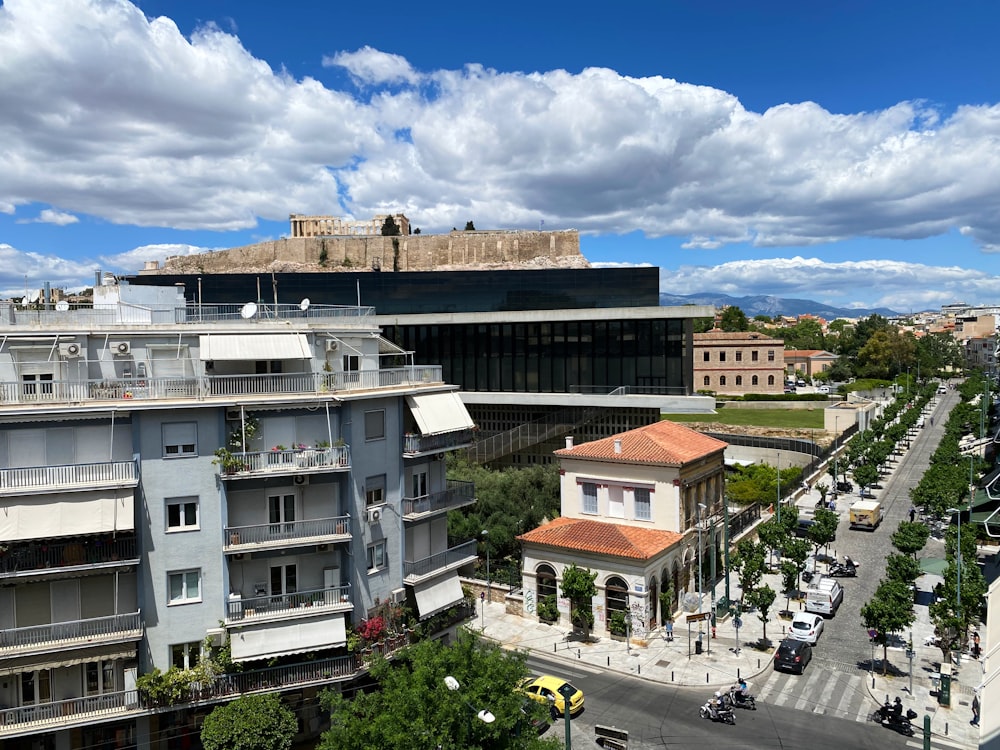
x: 777, y: 470
x: 701, y: 578
x: 486, y: 543
x: 483, y: 715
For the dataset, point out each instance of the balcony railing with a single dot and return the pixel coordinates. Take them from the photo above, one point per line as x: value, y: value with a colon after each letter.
x: 456, y: 495
x: 453, y: 556
x: 93, y: 631
x: 336, y: 599
x: 42, y: 714
x: 207, y: 386
x: 95, y: 475
x: 285, y: 461
x: 414, y: 444
x: 27, y: 557
x: 239, y: 538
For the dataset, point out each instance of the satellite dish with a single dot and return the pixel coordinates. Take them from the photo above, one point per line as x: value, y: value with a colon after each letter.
x: 304, y: 304
x: 62, y: 305
x: 248, y: 310
x: 691, y: 602
x: 24, y: 301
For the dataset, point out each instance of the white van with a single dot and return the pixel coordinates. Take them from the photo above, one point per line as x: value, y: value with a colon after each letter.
x: 824, y: 595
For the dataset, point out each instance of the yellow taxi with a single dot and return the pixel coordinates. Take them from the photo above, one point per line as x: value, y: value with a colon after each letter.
x: 546, y: 689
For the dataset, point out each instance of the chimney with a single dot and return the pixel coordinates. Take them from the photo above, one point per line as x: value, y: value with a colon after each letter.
x: 569, y: 442
x: 618, y: 445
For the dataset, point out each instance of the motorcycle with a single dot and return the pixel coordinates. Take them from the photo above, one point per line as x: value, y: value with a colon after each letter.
x: 717, y: 713
x: 736, y: 698
x: 846, y: 569
x: 886, y: 716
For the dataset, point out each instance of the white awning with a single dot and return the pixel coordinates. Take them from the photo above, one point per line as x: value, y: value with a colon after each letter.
x: 254, y: 346
x: 271, y: 639
x: 68, y: 658
x: 66, y: 514
x: 434, y: 596
x: 437, y: 413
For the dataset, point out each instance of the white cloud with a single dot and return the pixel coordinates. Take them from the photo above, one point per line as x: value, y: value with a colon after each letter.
x: 20, y: 270
x: 51, y: 216
x: 371, y: 66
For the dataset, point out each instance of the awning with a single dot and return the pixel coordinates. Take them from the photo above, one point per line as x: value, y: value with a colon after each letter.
x: 934, y: 565
x: 66, y: 514
x: 437, y: 413
x: 68, y: 658
x: 271, y: 639
x: 434, y: 596
x: 254, y: 346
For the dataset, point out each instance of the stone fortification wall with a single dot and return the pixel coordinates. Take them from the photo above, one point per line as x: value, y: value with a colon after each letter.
x: 415, y: 252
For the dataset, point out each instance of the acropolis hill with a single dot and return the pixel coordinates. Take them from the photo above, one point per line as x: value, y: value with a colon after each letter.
x: 326, y: 243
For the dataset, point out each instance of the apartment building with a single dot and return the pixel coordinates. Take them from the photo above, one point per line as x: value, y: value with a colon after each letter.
x: 176, y: 476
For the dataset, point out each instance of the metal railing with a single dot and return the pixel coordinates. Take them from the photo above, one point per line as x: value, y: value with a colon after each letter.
x: 456, y: 494
x: 288, y: 461
x: 415, y: 444
x: 266, y: 533
x: 523, y: 436
x: 105, y: 473
x: 30, y: 556
x: 205, y: 386
x: 249, y: 608
x: 451, y: 556
x: 93, y: 629
x: 58, y: 711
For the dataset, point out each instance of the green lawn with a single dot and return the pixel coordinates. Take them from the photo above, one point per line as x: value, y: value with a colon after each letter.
x: 808, y: 419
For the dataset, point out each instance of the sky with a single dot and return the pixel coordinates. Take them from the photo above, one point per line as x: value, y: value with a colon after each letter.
x: 843, y: 152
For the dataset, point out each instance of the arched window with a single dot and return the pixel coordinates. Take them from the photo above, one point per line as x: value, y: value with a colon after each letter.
x: 754, y: 381
x: 739, y: 380
x: 722, y: 380
x: 770, y: 379
x: 615, y: 596
x: 545, y: 581
x: 707, y: 382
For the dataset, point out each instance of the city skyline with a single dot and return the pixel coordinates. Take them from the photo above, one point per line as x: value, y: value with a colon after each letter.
x: 837, y: 154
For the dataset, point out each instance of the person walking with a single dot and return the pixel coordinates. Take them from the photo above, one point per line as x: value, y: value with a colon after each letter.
x: 669, y: 627
x: 975, y: 710
x: 913, y: 513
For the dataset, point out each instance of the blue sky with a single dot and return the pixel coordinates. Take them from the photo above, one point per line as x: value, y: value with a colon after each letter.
x: 843, y: 152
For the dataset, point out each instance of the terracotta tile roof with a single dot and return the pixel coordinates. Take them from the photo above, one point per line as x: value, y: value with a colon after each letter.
x: 663, y: 442
x: 602, y: 537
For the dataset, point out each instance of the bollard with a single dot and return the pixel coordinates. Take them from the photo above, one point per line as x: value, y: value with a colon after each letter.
x: 578, y: 653
x: 737, y: 674
x: 758, y: 664
x: 555, y: 647
x: 638, y: 669
x: 609, y: 661
x: 671, y: 675
x: 946, y: 729
x: 873, y: 682
x: 706, y: 678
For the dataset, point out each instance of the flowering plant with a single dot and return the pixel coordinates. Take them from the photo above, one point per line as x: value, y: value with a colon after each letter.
x: 301, y: 446
x: 372, y: 629
x: 278, y: 447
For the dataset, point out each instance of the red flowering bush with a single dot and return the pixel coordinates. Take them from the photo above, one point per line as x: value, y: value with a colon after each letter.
x: 372, y: 630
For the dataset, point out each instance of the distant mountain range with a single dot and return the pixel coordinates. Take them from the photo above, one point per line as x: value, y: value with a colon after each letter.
x: 772, y: 306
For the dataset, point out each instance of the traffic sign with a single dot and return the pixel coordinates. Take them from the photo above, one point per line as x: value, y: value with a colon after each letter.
x: 482, y: 594
x: 738, y: 623
x: 872, y: 632
x: 698, y: 616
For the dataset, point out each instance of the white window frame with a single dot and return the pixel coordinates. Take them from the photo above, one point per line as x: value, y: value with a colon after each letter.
x: 185, y: 651
x: 584, y: 508
x: 184, y: 577
x: 647, y: 503
x: 375, y: 491
x: 373, y: 431
x: 376, y: 556
x: 175, y: 436
x: 182, y: 504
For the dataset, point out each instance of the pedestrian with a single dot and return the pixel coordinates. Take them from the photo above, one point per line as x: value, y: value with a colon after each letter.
x: 913, y: 513
x: 975, y: 710
x: 670, y: 631
x: 975, y: 644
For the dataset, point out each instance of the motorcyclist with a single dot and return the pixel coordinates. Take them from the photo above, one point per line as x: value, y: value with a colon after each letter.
x: 740, y: 691
x: 849, y: 563
x: 897, y: 710
x: 716, y: 704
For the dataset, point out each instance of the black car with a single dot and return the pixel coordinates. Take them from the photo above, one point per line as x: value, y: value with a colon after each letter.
x: 845, y: 487
x: 792, y: 655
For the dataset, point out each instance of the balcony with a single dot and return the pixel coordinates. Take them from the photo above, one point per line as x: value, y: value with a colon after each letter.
x: 74, y: 477
x: 240, y: 539
x: 55, y: 636
x: 78, y: 392
x: 451, y: 559
x: 457, y: 495
x: 49, y: 559
x: 286, y: 606
x: 284, y: 462
x: 60, y: 714
x: 418, y: 445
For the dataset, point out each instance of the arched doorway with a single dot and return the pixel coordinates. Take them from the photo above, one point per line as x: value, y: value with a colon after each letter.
x: 615, y: 597
x: 654, y: 601
x: 546, y: 592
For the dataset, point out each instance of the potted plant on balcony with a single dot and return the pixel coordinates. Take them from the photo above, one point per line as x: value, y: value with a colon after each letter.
x: 228, y: 462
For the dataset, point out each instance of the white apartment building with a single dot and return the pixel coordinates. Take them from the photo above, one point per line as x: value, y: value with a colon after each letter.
x: 255, y: 476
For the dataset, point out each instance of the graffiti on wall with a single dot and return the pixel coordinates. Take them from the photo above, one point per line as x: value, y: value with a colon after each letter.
x: 529, y: 602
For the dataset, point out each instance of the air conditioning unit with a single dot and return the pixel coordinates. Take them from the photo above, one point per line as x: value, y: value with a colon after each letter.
x: 398, y: 596
x: 332, y: 345
x: 374, y: 514
x: 70, y: 351
x: 300, y: 479
x: 216, y: 636
x: 232, y: 415
x: 121, y: 348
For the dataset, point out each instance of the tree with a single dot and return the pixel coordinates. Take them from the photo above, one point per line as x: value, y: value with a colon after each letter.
x: 748, y: 562
x: 889, y: 611
x: 902, y: 568
x: 470, y: 227
x: 578, y: 586
x: 413, y: 709
x: 773, y: 535
x: 865, y: 475
x: 390, y: 228
x: 823, y: 529
x: 733, y: 319
x: 797, y: 550
x: 251, y: 722
x: 909, y: 538
x: 762, y: 599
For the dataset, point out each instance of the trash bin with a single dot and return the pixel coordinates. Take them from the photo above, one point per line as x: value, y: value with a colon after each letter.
x: 944, y: 691
x: 697, y: 644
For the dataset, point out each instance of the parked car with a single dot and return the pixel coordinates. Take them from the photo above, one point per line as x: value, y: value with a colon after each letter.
x: 845, y: 487
x: 806, y: 626
x: 546, y: 689
x: 793, y: 655
x: 800, y: 383
x: 532, y: 715
x: 823, y: 389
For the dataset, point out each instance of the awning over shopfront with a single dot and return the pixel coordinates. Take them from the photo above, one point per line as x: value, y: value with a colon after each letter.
x: 437, y: 413
x: 70, y: 514
x: 434, y: 596
x: 272, y: 639
x: 262, y: 346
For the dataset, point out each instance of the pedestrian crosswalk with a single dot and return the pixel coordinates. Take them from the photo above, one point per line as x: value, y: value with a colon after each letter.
x: 820, y: 690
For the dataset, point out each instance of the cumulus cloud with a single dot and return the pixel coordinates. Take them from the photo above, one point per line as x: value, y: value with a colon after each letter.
x: 51, y: 216
x: 371, y: 66
x: 20, y: 271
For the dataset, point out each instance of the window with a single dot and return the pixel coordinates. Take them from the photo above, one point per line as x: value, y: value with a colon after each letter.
x: 643, y: 507
x: 182, y: 513
x: 375, y: 491
x: 706, y: 357
x: 180, y: 439
x: 707, y: 381
x: 185, y: 655
x: 770, y: 379
x: 376, y: 556
x: 770, y: 355
x: 36, y: 385
x: 36, y: 686
x: 100, y: 677
x: 419, y: 484
x: 281, y: 513
x: 284, y: 579
x: 753, y: 356
x: 722, y: 380
x: 589, y: 490
x: 352, y: 363
x: 184, y: 586
x: 375, y: 425
x: 722, y: 356
x: 739, y: 356
x: 754, y: 380
x: 739, y: 380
